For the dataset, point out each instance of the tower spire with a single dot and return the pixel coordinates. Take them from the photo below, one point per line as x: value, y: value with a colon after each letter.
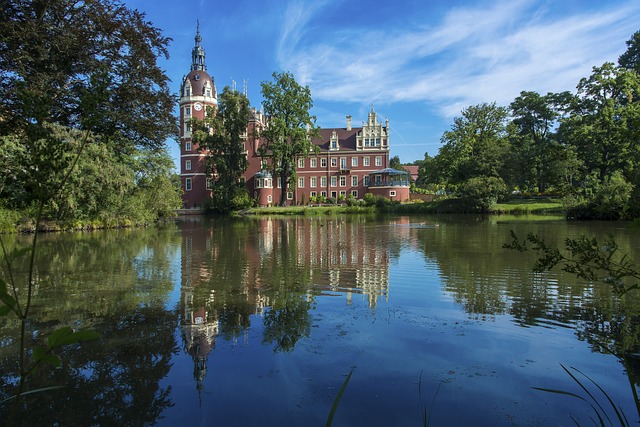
x: 197, y: 54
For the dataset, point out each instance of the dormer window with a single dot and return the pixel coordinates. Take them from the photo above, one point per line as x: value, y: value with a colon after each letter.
x: 333, y: 143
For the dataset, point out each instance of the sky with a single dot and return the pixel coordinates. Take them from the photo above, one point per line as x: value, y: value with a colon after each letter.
x: 418, y: 63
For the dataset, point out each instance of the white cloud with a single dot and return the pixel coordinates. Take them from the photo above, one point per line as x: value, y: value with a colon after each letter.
x: 472, y: 55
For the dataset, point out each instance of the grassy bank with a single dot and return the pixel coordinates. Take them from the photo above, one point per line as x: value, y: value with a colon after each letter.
x: 513, y: 207
x: 308, y: 210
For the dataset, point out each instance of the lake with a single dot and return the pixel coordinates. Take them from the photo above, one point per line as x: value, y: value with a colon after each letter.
x: 259, y: 321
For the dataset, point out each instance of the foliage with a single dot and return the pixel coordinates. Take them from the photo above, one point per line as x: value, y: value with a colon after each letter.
x: 336, y: 401
x: 481, y: 193
x: 602, y: 121
x: 630, y: 59
x: 290, y: 127
x: 220, y: 135
x: 73, y: 75
x: 139, y: 187
x: 475, y: 146
x: 90, y: 65
x: 394, y: 163
x: 608, y: 200
x: 586, y: 258
x: 578, y: 145
x: 601, y: 413
x: 537, y: 157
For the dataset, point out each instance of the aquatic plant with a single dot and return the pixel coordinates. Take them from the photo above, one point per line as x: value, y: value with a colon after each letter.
x: 602, y: 414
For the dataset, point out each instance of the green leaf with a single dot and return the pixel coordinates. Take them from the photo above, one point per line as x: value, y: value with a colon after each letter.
x: 66, y: 336
x: 8, y: 300
x: 41, y: 354
x: 59, y: 336
x: 336, y: 402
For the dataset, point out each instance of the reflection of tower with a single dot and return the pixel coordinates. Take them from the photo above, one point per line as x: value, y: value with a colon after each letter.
x: 199, y: 331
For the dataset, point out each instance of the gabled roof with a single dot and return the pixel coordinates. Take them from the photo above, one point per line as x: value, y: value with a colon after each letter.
x: 346, y: 138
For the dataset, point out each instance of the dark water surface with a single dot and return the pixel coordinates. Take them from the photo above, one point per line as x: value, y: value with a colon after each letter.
x: 258, y: 321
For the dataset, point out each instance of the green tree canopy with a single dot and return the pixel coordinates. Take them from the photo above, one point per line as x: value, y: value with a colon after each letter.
x: 475, y: 146
x: 630, y: 59
x: 603, y: 122
x: 537, y: 156
x: 290, y: 127
x: 221, y: 136
x: 88, y: 65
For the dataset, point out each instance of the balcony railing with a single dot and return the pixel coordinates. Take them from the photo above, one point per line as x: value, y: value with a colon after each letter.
x: 390, y: 183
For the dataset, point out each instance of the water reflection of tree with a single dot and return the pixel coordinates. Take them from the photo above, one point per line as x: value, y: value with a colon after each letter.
x: 111, y: 381
x: 116, y: 282
x: 486, y: 279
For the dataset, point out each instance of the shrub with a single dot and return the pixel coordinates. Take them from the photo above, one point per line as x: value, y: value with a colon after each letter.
x: 481, y: 193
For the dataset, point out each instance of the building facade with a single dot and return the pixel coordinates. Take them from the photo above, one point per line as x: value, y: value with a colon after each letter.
x: 350, y: 161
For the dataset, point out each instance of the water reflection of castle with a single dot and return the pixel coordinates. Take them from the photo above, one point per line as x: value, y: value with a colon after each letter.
x: 228, y: 268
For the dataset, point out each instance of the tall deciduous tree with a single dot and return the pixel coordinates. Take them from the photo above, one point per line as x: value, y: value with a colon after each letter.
x: 604, y: 122
x: 88, y: 65
x: 290, y: 127
x: 541, y: 160
x: 630, y: 59
x: 220, y: 135
x: 475, y: 146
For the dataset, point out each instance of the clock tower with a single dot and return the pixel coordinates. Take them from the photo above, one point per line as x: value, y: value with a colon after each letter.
x: 197, y: 93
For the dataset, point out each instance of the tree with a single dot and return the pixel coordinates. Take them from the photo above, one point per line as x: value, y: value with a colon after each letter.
x: 538, y: 153
x: 630, y: 59
x: 394, y: 163
x: 220, y: 135
x: 69, y: 66
x: 86, y: 65
x: 603, y: 122
x: 290, y: 127
x: 475, y: 146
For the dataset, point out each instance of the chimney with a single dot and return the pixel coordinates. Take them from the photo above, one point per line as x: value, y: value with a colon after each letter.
x: 349, y: 122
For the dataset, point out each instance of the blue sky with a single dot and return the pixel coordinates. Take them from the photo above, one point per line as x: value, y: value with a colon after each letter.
x: 419, y: 62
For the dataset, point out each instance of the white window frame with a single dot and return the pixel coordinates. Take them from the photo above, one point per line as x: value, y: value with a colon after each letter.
x: 300, y: 163
x: 301, y: 182
x: 187, y: 165
x: 334, y: 181
x: 367, y: 180
x: 378, y: 160
x: 334, y: 162
x: 289, y: 195
x: 354, y: 161
x: 187, y: 146
x: 209, y: 183
x: 323, y: 162
x: 392, y: 193
x: 366, y: 161
x: 354, y: 180
x: 323, y: 181
x: 188, y: 184
x: 313, y: 181
x: 313, y: 162
x: 343, y: 181
x: 354, y: 193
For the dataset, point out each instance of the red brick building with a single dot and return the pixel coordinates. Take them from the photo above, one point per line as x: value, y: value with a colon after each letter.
x: 351, y: 161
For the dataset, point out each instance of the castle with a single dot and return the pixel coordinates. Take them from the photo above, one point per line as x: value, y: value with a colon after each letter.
x: 351, y: 161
